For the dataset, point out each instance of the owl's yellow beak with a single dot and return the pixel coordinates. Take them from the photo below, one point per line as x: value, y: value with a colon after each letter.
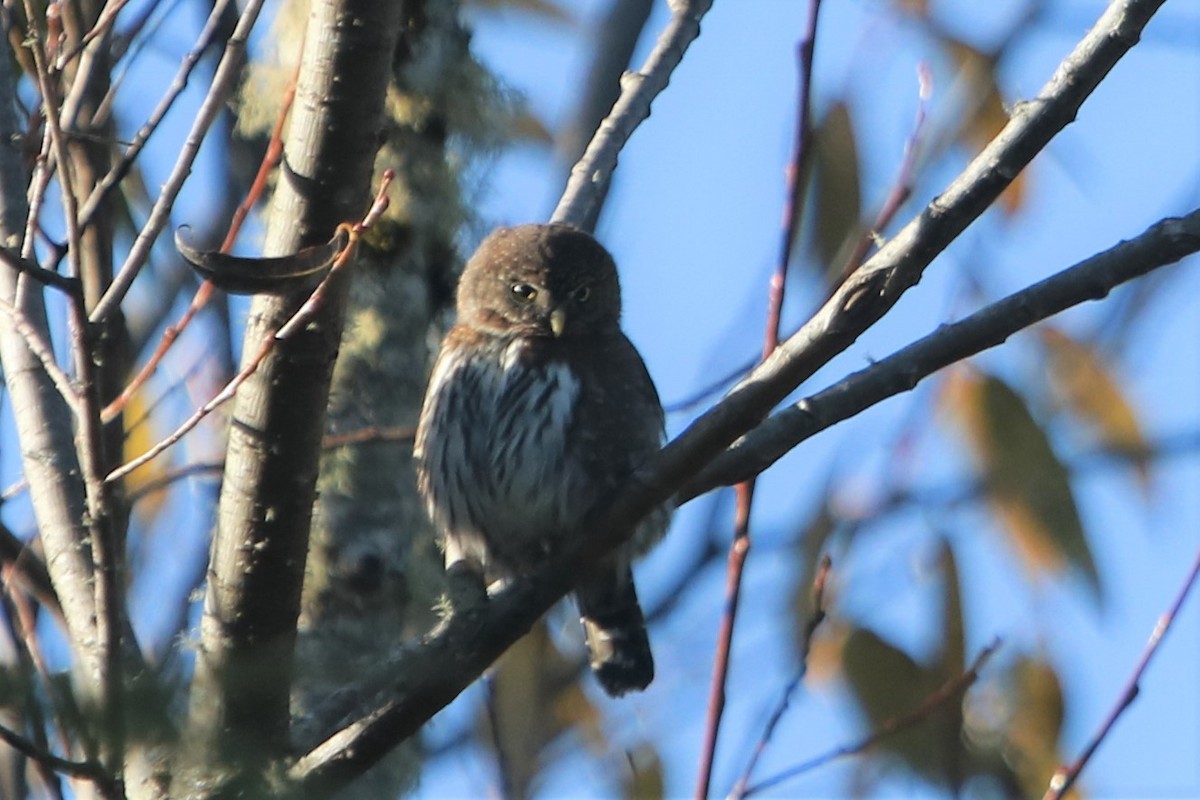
x: 558, y: 321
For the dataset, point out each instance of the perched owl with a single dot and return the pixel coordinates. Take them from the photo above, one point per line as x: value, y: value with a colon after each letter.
x: 537, y: 408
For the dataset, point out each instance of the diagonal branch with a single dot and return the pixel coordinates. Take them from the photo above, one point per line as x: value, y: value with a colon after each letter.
x: 1165, y: 242
x: 1066, y: 775
x: 433, y: 672
x: 589, y: 179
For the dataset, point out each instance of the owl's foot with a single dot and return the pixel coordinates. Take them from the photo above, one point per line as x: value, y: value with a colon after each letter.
x: 465, y: 588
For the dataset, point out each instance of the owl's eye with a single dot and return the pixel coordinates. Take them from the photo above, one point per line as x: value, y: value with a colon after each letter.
x: 524, y: 292
x: 582, y: 294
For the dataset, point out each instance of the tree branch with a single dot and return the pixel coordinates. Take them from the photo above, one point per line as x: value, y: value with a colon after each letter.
x: 48, y: 458
x: 1166, y: 242
x: 589, y: 178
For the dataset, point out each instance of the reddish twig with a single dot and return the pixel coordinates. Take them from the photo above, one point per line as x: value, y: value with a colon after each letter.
x: 204, y: 293
x: 395, y: 433
x: 298, y: 320
x: 947, y: 692
x: 1065, y: 776
x: 740, y: 548
x: 810, y: 628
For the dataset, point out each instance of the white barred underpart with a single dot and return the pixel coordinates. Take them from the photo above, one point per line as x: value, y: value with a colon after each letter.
x: 497, y: 483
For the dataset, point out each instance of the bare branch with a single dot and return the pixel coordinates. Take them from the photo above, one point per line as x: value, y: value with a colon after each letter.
x: 1164, y: 243
x: 241, y: 692
x: 48, y: 457
x: 739, y: 549
x: 119, y: 170
x: 810, y: 628
x: 88, y: 770
x: 41, y: 349
x: 590, y: 177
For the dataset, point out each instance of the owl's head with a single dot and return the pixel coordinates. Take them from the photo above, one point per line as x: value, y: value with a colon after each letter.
x: 540, y: 280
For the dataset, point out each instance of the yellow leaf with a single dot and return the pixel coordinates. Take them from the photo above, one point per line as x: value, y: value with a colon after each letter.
x: 534, y: 699
x: 1088, y: 387
x: 814, y: 536
x: 1038, y: 711
x: 835, y: 189
x: 888, y: 684
x: 985, y: 115
x: 1027, y: 486
x: 140, y: 435
x: 644, y: 781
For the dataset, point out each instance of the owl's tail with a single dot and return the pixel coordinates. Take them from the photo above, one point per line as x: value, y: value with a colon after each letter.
x: 616, y: 632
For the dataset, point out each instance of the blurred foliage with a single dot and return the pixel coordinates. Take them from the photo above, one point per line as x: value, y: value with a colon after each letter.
x: 534, y: 698
x: 1025, y: 483
x: 836, y: 180
x: 1092, y: 393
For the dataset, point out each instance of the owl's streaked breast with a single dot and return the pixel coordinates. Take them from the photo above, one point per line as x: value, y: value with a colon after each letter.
x: 493, y: 456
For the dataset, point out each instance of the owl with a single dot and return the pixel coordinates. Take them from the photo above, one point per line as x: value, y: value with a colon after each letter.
x: 537, y: 408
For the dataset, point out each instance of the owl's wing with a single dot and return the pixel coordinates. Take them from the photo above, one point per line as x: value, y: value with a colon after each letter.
x: 620, y: 419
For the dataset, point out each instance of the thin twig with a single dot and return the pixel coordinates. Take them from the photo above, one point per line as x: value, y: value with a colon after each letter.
x: 901, y: 190
x: 173, y: 476
x: 810, y: 628
x: 394, y: 433
x: 103, y: 23
x: 87, y: 770
x: 120, y: 169
x: 592, y: 173
x: 204, y: 293
x: 739, y: 549
x: 39, y: 273
x: 902, y: 187
x: 1065, y: 776
x: 298, y: 320
x: 226, y: 76
x: 108, y: 599
x: 948, y: 691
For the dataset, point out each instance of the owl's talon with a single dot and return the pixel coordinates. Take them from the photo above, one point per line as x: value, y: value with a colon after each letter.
x: 464, y: 587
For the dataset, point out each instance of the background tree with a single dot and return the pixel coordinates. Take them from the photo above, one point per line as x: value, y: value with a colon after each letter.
x: 169, y: 442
